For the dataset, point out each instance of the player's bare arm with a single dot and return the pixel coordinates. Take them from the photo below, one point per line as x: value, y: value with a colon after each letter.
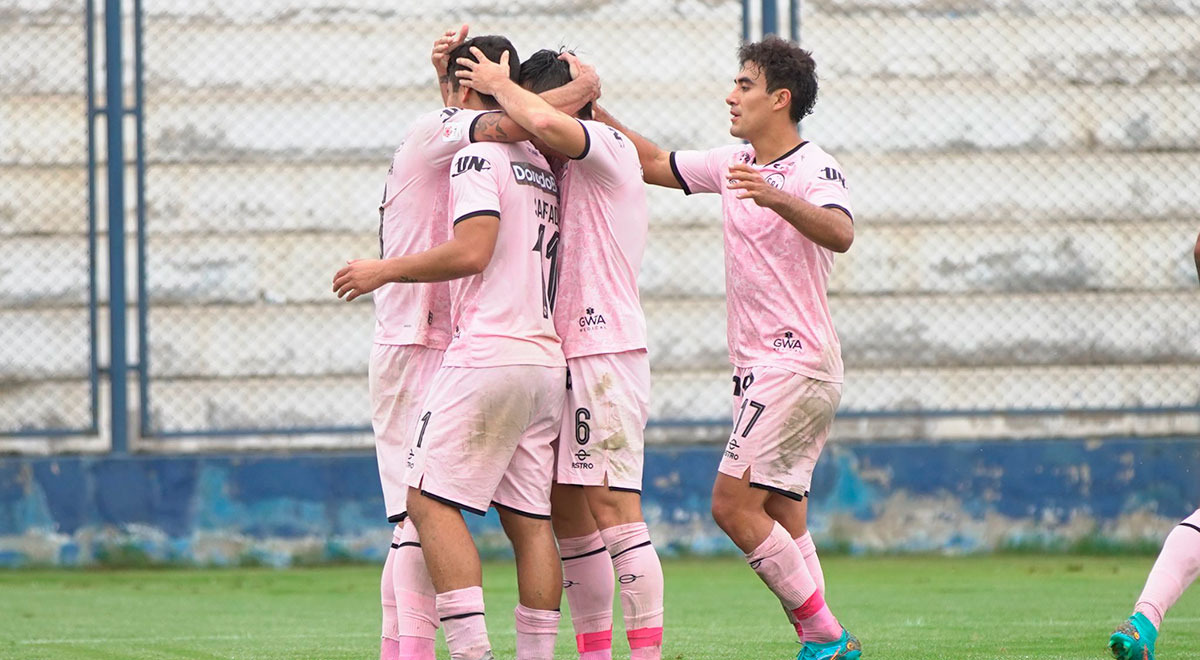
x: 499, y: 127
x: 827, y: 227
x: 558, y: 130
x: 656, y: 162
x: 441, y: 58
x: 468, y: 253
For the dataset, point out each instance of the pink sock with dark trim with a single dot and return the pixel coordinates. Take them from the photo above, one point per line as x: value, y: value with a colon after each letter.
x: 390, y: 638
x: 588, y: 584
x: 461, y: 614
x: 778, y: 562
x: 416, y: 604
x: 639, y: 573
x: 536, y: 632
x: 1176, y: 568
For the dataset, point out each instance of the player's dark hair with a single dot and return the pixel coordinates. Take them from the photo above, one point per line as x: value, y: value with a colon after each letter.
x: 785, y: 66
x: 493, y: 47
x: 543, y: 70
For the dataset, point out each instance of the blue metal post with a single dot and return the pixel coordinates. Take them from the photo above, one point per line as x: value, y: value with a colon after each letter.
x: 93, y: 303
x: 794, y: 20
x: 770, y: 17
x: 115, y: 118
x: 745, y: 21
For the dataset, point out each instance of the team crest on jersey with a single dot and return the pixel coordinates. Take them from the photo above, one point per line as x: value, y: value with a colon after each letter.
x: 787, y: 342
x: 452, y: 133
x: 592, y: 321
x: 775, y: 179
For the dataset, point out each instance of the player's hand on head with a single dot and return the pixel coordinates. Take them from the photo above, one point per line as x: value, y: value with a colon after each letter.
x: 751, y: 185
x: 357, y: 277
x: 449, y: 40
x: 482, y: 74
x: 581, y: 70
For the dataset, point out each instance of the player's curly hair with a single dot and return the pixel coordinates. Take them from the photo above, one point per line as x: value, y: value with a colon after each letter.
x: 493, y: 47
x: 543, y: 70
x: 785, y: 65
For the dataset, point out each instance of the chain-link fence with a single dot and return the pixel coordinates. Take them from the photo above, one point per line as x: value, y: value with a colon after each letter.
x: 48, y: 384
x: 1024, y: 176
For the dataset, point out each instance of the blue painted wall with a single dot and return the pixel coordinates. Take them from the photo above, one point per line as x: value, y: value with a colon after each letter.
x: 282, y: 510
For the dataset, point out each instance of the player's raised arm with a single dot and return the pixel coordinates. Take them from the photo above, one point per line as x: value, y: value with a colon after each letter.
x: 560, y: 131
x: 440, y: 57
x: 498, y: 126
x: 828, y: 226
x: 656, y: 162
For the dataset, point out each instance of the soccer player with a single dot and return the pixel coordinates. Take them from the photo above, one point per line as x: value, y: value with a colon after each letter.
x: 1176, y: 568
x: 413, y: 323
x: 495, y: 405
x: 786, y: 212
x: 597, y: 497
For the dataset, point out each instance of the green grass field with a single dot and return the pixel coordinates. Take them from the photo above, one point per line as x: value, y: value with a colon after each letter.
x: 901, y: 608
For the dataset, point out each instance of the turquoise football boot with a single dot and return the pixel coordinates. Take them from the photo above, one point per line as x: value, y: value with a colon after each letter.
x: 1134, y: 639
x: 846, y: 647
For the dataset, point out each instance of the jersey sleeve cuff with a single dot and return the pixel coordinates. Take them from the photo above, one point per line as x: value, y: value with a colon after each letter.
x: 840, y: 208
x: 475, y: 214
x: 679, y: 177
x: 587, y: 142
x: 471, y: 129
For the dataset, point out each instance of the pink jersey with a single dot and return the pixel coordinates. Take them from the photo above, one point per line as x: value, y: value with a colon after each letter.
x: 412, y: 219
x: 604, y: 235
x: 775, y: 278
x: 504, y: 315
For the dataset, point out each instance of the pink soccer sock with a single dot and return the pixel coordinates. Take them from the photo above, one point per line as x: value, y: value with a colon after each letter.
x: 1176, y: 567
x: 778, y: 562
x: 640, y: 575
x: 816, y: 621
x: 461, y: 614
x: 390, y: 640
x: 588, y: 583
x: 813, y: 563
x: 416, y: 606
x: 536, y: 633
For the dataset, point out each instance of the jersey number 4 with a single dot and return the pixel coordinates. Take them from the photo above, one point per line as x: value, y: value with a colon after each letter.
x: 548, y: 250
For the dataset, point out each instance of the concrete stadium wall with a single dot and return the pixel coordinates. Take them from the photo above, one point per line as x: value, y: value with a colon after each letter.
x: 1056, y: 495
x: 266, y: 132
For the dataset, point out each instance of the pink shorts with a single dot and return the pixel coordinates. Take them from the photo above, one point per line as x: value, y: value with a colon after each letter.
x: 486, y: 438
x: 399, y: 377
x: 781, y: 423
x: 603, y: 428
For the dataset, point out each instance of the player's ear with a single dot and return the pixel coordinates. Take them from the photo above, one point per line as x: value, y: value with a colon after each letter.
x: 782, y: 98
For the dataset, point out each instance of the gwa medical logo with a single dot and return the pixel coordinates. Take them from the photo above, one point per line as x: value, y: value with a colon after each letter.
x: 788, y: 342
x: 592, y: 321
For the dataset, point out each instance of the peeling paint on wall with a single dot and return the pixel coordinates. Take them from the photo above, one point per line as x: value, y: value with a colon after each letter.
x: 955, y: 498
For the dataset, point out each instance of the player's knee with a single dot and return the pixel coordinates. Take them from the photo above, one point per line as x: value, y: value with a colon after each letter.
x: 614, y: 507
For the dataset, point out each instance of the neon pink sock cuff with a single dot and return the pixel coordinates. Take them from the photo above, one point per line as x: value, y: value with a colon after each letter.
x: 593, y: 641
x: 811, y: 607
x: 644, y: 637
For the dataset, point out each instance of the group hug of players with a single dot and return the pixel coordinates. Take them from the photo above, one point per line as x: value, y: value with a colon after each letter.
x: 510, y: 368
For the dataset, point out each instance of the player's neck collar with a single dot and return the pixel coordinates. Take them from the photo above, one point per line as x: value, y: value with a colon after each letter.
x: 786, y: 155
